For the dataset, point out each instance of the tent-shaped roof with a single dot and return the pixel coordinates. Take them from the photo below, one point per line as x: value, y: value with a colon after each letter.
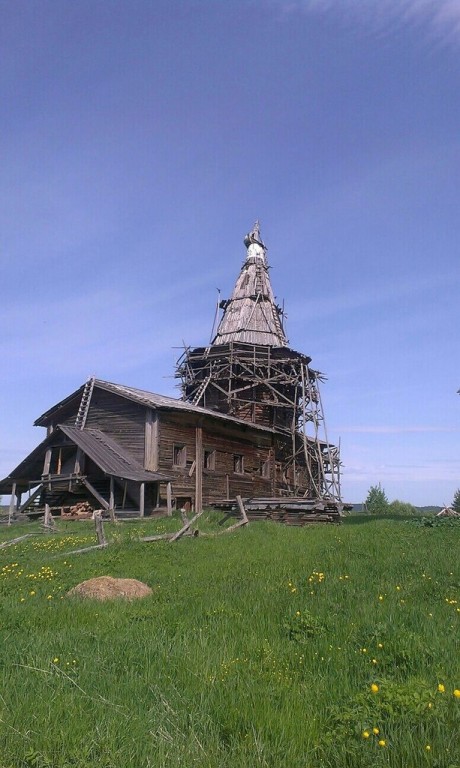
x: 251, y: 316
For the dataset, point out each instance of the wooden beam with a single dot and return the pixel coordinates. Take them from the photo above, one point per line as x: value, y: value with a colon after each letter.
x: 102, y: 541
x: 242, y: 509
x: 79, y: 458
x: 152, y: 434
x: 112, y: 499
x: 47, y: 462
x: 142, y: 499
x: 169, y: 499
x: 198, y: 469
x: 12, y: 507
x: 186, y: 527
x: 95, y: 493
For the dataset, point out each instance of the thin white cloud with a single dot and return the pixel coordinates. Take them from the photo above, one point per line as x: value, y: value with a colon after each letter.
x: 441, y: 18
x: 393, y: 430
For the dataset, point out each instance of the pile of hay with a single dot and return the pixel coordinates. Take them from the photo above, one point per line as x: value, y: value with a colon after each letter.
x: 108, y: 588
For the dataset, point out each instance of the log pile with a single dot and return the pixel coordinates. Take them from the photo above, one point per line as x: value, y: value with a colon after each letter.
x: 290, y: 511
x: 82, y: 510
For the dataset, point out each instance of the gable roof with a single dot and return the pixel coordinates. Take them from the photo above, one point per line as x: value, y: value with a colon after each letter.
x: 148, y: 399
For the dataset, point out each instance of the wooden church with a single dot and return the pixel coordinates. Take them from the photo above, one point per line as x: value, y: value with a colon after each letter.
x: 249, y: 423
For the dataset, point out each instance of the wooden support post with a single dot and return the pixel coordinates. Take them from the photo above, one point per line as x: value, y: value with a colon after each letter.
x: 142, y: 499
x: 112, y: 499
x: 12, y: 507
x: 227, y: 486
x: 169, y: 499
x: 102, y: 541
x: 199, y: 469
x: 48, y: 522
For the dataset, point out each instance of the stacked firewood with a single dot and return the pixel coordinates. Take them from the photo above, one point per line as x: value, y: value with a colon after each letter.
x: 82, y: 510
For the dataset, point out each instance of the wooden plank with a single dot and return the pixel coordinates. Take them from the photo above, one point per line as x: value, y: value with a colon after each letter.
x: 102, y: 541
x: 47, y: 462
x: 31, y: 499
x: 242, y: 509
x: 152, y: 433
x: 186, y: 526
x: 142, y: 499
x: 95, y: 493
x: 112, y: 499
x: 79, y: 458
x: 12, y: 507
x: 199, y: 469
x: 16, y: 540
x: 169, y: 499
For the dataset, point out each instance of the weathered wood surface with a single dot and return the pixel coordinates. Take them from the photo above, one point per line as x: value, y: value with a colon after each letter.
x: 16, y: 540
x: 186, y: 526
x: 99, y: 528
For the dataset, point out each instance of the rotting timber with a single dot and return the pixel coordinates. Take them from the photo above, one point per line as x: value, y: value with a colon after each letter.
x: 249, y: 371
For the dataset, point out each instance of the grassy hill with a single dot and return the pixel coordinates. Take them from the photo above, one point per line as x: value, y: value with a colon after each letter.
x: 271, y: 646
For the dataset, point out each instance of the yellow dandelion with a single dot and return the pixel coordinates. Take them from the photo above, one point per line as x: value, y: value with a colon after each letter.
x: 375, y: 731
x: 56, y: 660
x: 374, y: 688
x: 457, y: 693
x: 441, y: 688
x: 428, y: 748
x: 380, y: 598
x: 365, y: 734
x: 32, y: 592
x: 382, y: 743
x: 379, y: 645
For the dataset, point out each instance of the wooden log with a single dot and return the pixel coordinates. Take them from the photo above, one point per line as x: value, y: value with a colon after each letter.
x: 199, y: 469
x: 142, y: 499
x: 242, y: 509
x: 85, y: 549
x: 99, y: 529
x: 234, y: 526
x: 186, y: 526
x: 15, y: 541
x: 112, y: 499
x: 165, y: 536
x: 12, y: 506
x: 169, y: 499
x: 48, y: 521
x: 95, y: 493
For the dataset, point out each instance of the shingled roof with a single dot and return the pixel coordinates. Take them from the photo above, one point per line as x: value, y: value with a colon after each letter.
x: 251, y: 315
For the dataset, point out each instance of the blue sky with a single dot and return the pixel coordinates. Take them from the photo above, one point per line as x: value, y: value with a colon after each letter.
x: 141, y: 139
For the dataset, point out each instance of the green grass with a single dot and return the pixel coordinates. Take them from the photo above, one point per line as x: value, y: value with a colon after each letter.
x: 255, y: 649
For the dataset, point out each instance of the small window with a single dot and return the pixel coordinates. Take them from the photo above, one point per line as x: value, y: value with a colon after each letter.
x: 179, y: 456
x: 265, y: 469
x: 209, y: 459
x: 238, y: 463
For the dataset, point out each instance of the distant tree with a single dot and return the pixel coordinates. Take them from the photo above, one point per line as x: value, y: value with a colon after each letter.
x: 376, y: 502
x: 456, y: 502
x: 402, y: 508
